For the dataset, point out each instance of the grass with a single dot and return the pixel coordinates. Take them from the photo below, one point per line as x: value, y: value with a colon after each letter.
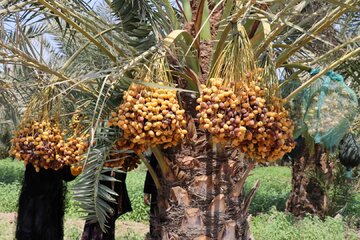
x: 125, y: 230
x: 74, y: 227
x: 135, y: 184
x: 9, y: 194
x: 275, y: 187
x: 11, y: 171
x: 276, y: 225
x: 352, y: 211
x: 11, y: 175
x: 268, y: 221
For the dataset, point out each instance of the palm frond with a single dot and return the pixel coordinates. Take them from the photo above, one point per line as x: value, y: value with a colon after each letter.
x: 331, y: 66
x: 93, y: 196
x: 317, y: 28
x: 144, y: 22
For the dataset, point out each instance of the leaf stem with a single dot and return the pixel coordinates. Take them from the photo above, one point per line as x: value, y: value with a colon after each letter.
x: 151, y: 171
x: 78, y: 28
x: 322, y: 72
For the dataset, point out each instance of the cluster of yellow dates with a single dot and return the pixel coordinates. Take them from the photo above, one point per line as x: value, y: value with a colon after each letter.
x: 245, y: 119
x: 43, y: 144
x: 149, y: 117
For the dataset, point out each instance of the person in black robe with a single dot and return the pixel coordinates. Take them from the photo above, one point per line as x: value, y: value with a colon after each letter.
x: 150, y: 197
x: 41, y: 204
x: 92, y: 231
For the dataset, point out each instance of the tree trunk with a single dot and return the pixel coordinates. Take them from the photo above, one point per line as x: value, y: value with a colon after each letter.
x: 310, y: 173
x: 207, y: 200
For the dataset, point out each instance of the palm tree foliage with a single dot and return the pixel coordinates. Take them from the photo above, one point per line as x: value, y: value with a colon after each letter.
x: 90, y: 53
x: 97, y: 209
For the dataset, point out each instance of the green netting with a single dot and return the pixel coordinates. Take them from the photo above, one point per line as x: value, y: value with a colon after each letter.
x: 331, y: 106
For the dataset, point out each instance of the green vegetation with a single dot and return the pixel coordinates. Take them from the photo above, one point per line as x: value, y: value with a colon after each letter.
x: 282, y: 226
x: 11, y: 171
x: 72, y: 232
x: 72, y: 209
x: 268, y: 221
x: 135, y: 185
x: 275, y: 187
x: 131, y: 235
x: 353, y: 207
x: 11, y: 174
x: 9, y: 194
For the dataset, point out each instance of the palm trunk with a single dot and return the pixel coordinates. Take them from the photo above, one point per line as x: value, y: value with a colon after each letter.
x: 207, y: 199
x: 308, y: 195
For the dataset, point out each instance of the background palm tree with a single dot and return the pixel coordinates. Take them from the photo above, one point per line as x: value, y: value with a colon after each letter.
x: 309, y: 194
x: 98, y: 49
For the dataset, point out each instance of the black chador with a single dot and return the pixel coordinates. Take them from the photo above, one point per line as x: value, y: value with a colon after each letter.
x: 41, y: 204
x: 150, y: 189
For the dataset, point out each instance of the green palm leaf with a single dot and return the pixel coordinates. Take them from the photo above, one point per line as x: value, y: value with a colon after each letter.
x: 94, y: 197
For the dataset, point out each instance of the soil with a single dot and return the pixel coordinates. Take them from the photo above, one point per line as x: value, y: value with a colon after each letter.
x: 74, y: 226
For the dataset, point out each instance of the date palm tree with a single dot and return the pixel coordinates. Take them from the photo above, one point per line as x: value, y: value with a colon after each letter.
x: 312, y: 169
x: 102, y: 47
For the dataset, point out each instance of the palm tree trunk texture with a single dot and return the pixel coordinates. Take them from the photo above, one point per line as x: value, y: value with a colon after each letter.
x: 308, y: 195
x: 207, y: 199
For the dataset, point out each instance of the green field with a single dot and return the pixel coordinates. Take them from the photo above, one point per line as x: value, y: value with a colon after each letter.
x: 268, y: 220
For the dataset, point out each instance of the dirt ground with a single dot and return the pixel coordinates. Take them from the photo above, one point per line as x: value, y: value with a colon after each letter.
x: 73, y: 228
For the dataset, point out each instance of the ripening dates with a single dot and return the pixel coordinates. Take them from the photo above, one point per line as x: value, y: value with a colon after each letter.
x: 244, y: 119
x: 150, y: 117
x: 44, y: 145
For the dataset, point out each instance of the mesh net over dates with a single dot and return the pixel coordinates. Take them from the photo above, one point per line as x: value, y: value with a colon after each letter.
x: 331, y: 107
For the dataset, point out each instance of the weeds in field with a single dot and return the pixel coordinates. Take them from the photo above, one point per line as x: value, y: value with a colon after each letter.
x: 282, y: 226
x: 267, y: 223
